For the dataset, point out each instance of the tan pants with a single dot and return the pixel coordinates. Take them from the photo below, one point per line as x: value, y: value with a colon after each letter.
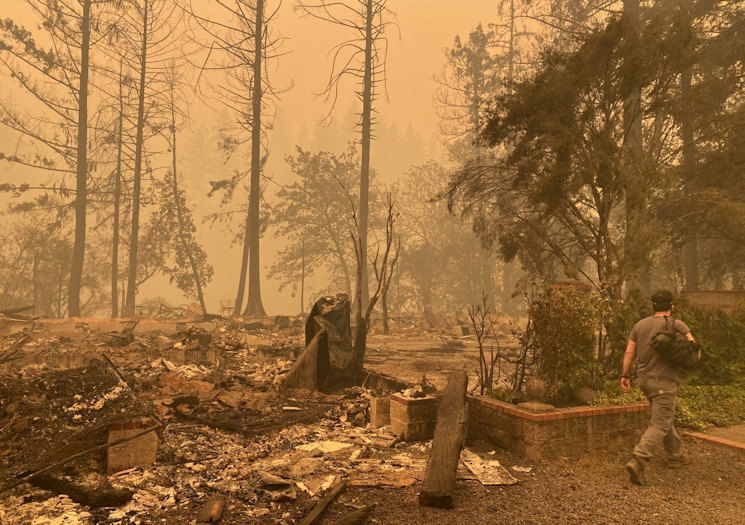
x: 662, y: 395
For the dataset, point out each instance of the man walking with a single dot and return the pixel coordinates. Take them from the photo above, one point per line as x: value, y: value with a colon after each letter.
x: 659, y: 380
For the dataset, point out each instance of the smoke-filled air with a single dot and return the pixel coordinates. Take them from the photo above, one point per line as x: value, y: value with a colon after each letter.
x: 372, y: 261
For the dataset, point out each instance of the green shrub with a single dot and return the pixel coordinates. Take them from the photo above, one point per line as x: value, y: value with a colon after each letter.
x: 722, y: 337
x: 617, y: 318
x: 563, y: 340
x: 699, y: 406
x: 702, y: 406
x: 611, y: 393
x: 506, y: 395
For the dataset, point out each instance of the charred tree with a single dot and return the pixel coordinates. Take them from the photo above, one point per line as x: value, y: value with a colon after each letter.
x: 242, y: 45
x: 81, y: 175
x: 117, y: 197
x: 58, y: 78
x: 139, y: 147
x: 254, y: 305
x: 690, y: 247
x: 386, y: 286
x: 363, y: 290
x: 383, y: 265
x: 151, y: 32
x: 368, y: 19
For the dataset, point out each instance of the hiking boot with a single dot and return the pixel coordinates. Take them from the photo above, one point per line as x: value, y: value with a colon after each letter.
x: 678, y: 461
x: 635, y: 469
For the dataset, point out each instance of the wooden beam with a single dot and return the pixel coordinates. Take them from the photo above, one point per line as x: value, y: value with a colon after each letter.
x: 91, y: 497
x: 324, y: 502
x: 355, y: 517
x: 450, y: 432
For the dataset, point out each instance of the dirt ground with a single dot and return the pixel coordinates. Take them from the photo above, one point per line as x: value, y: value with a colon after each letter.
x: 591, y: 490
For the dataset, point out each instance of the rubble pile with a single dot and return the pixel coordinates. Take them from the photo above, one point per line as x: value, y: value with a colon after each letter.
x: 163, y: 421
x: 47, y: 414
x: 229, y: 436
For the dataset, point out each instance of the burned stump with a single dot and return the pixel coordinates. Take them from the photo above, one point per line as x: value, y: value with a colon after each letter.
x: 328, y: 356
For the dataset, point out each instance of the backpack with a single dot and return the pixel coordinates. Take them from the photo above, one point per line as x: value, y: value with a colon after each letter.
x: 674, y: 347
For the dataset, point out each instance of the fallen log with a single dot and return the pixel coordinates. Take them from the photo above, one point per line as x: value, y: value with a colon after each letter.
x: 99, y: 497
x: 355, y: 517
x: 324, y: 502
x: 442, y: 469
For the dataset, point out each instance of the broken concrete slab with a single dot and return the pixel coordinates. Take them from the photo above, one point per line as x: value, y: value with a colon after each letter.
x: 325, y: 447
x: 305, y: 467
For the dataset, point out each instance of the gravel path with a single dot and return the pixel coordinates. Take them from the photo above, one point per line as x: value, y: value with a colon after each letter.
x: 710, y: 489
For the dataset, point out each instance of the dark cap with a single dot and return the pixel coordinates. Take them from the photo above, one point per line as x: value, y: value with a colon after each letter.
x: 662, y: 300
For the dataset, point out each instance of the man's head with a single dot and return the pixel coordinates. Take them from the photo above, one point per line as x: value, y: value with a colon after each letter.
x: 662, y: 301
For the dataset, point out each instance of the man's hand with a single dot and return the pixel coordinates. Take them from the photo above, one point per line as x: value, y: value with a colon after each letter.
x: 626, y: 384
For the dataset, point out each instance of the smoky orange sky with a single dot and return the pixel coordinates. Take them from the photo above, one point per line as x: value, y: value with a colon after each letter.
x: 426, y: 28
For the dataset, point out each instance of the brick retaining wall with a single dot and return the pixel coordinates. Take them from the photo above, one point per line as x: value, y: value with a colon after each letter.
x: 566, y: 432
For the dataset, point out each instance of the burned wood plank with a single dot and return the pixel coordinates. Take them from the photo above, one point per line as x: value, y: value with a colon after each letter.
x: 355, y: 517
x: 98, y: 497
x: 227, y: 426
x: 324, y: 502
x: 442, y: 469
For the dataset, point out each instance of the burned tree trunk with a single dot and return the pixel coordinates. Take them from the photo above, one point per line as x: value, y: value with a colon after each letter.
x: 117, y: 200
x: 81, y: 195
x: 386, y: 287
x: 139, y: 147
x: 363, y: 292
x: 244, y: 269
x: 383, y: 267
x: 450, y: 433
x: 302, y: 283
x: 328, y: 356
x: 687, y: 136
x: 253, y: 232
